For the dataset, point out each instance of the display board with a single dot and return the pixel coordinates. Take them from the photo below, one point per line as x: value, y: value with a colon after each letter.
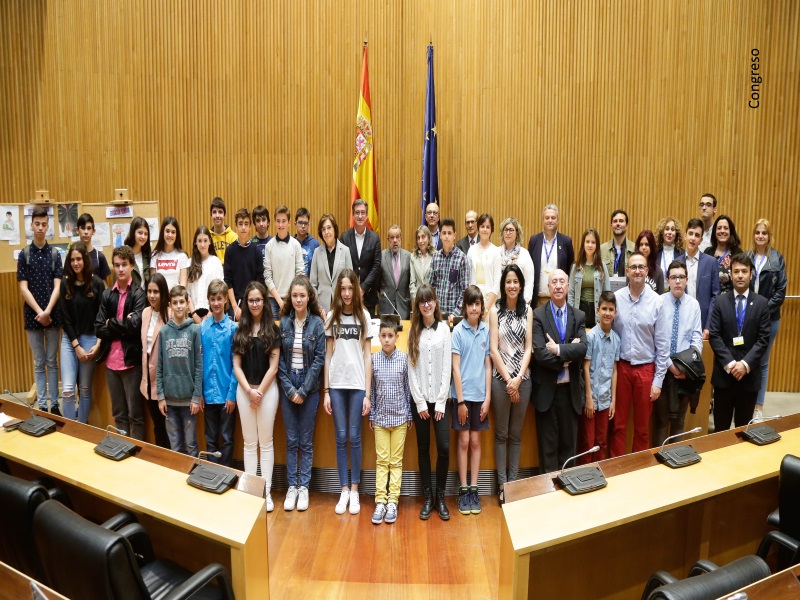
x: 112, y: 220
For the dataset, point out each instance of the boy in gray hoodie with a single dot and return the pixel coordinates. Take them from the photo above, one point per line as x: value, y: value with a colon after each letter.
x: 179, y: 374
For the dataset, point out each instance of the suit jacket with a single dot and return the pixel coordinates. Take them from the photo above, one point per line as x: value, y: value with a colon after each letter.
x: 707, y: 285
x: 399, y: 295
x: 548, y: 366
x: 464, y: 245
x: 607, y: 254
x: 321, y: 278
x: 368, y: 267
x: 565, y: 255
x: 755, y: 331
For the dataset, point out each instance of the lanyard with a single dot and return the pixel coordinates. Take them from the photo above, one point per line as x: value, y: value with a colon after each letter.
x: 547, y: 252
x: 562, y: 327
x: 721, y: 258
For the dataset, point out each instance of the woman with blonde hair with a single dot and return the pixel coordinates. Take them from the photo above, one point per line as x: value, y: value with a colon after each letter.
x: 421, y: 259
x: 669, y: 241
x: 512, y: 253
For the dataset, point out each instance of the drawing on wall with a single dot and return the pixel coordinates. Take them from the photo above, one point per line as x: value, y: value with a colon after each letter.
x: 102, y: 235
x: 120, y: 232
x: 9, y: 231
x: 153, y: 224
x: 67, y: 220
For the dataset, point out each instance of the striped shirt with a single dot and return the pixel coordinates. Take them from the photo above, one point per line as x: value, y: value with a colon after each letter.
x: 511, y: 332
x: 391, y: 397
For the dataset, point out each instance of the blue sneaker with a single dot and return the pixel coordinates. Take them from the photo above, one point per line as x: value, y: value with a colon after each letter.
x: 464, y: 500
x: 391, y: 512
x: 380, y: 513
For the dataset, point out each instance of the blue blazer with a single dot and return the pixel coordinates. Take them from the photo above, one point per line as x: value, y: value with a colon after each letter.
x: 565, y: 258
x: 707, y: 285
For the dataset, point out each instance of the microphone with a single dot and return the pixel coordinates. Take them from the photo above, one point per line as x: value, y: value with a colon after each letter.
x: 679, y: 456
x: 204, y: 454
x: 396, y: 312
x: 115, y: 448
x: 119, y: 431
x: 589, y: 451
x: 36, y: 425
x: 582, y: 479
x: 216, y: 479
x: 762, y: 434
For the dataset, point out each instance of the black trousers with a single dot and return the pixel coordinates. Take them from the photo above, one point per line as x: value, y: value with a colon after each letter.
x: 557, y: 431
x: 733, y: 403
x: 159, y: 424
x: 441, y: 430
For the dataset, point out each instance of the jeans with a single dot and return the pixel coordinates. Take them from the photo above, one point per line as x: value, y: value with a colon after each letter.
x: 346, y: 406
x: 73, y: 372
x: 508, y: 420
x: 441, y: 430
x: 182, y: 428
x: 273, y: 305
x: 126, y: 400
x: 219, y: 422
x: 389, y: 445
x: 258, y: 425
x: 44, y: 346
x: 299, y: 421
x: 773, y: 333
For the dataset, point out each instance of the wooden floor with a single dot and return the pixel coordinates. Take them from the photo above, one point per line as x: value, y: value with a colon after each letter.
x: 319, y: 554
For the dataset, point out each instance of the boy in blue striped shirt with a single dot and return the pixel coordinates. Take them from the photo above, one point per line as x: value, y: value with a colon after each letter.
x: 390, y: 418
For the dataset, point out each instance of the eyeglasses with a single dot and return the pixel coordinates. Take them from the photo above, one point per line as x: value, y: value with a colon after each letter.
x: 637, y: 267
x: 510, y: 230
x: 471, y: 221
x: 431, y: 212
x: 301, y: 223
x: 360, y: 213
x: 255, y: 301
x: 427, y: 302
x: 677, y: 277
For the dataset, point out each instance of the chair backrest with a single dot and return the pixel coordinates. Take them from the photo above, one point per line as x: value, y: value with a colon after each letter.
x: 722, y: 581
x: 789, y: 496
x: 20, y: 499
x: 84, y: 560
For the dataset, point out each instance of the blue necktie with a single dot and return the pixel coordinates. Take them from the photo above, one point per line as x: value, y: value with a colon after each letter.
x: 740, y: 311
x: 673, y: 345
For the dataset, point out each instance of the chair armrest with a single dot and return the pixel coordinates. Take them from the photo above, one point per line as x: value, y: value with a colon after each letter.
x: 774, y: 518
x: 656, y: 580
x: 54, y: 492
x: 776, y: 537
x: 140, y: 542
x: 119, y: 520
x: 701, y: 567
x: 200, y: 580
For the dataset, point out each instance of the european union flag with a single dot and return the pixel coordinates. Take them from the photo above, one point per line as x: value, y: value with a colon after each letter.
x: 430, y: 166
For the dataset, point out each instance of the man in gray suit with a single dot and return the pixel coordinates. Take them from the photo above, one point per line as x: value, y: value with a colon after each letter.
x: 395, y: 277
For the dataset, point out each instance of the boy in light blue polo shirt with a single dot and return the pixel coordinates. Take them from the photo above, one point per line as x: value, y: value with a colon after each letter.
x: 600, y: 377
x: 471, y: 388
x: 219, y: 382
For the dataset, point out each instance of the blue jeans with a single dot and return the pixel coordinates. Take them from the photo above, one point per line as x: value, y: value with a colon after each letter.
x: 74, y: 372
x: 219, y: 422
x: 773, y: 333
x: 181, y: 428
x: 299, y: 421
x: 346, y: 406
x: 273, y: 305
x: 44, y: 346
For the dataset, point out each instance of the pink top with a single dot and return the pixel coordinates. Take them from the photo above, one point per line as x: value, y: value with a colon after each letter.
x: 116, y: 357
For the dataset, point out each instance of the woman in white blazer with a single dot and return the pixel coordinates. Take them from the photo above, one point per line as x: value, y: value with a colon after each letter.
x: 484, y: 263
x: 328, y: 261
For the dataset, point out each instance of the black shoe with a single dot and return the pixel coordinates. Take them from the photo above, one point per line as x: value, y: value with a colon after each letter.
x: 441, y: 506
x: 464, y: 500
x: 54, y: 410
x: 427, y: 506
x: 474, y: 500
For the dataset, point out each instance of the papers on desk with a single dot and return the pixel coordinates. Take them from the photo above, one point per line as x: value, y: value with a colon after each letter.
x: 4, y: 418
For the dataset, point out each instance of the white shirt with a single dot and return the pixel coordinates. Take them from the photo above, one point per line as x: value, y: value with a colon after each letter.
x: 691, y: 270
x: 706, y: 243
x: 169, y: 264
x: 198, y: 290
x: 360, y: 240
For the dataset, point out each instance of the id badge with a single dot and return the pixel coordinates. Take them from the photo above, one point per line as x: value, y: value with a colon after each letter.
x: 738, y: 341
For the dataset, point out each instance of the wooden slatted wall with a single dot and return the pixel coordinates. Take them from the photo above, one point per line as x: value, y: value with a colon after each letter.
x: 593, y: 105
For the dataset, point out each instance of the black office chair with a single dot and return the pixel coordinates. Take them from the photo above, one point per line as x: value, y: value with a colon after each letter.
x: 706, y: 581
x: 87, y: 561
x: 19, y: 499
x: 786, y: 517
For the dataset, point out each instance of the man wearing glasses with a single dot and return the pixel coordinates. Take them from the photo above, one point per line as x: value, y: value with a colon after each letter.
x: 708, y: 212
x: 549, y: 252
x: 432, y: 220
x: 642, y: 359
x: 469, y: 240
x: 365, y: 253
x: 681, y: 324
x: 308, y: 243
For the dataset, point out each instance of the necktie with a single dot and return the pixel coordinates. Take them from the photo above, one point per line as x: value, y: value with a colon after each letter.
x: 559, y: 316
x: 471, y: 241
x: 740, y: 311
x: 673, y: 345
x: 397, y: 268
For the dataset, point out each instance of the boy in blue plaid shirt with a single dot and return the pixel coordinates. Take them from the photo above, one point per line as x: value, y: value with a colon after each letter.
x: 390, y: 418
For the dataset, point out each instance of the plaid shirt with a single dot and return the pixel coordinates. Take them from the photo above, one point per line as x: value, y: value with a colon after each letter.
x: 391, y: 396
x: 449, y: 277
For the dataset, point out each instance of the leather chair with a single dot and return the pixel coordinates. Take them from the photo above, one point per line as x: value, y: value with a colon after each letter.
x: 20, y: 499
x: 88, y: 561
x: 706, y: 581
x: 786, y: 517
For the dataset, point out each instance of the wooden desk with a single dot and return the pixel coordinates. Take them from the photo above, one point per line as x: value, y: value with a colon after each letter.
x: 646, y: 519
x: 781, y: 586
x: 16, y: 585
x: 188, y: 526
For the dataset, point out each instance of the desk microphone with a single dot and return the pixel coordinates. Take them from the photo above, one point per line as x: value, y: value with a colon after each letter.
x: 762, y: 434
x: 36, y: 425
x: 679, y: 456
x: 397, y: 312
x: 583, y: 479
x: 204, y: 454
x: 209, y: 477
x: 116, y: 448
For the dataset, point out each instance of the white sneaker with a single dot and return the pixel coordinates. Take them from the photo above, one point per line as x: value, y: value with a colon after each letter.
x: 391, y: 512
x: 355, y: 503
x: 757, y: 414
x: 270, y: 503
x: 341, y: 505
x: 302, y: 498
x: 291, y: 498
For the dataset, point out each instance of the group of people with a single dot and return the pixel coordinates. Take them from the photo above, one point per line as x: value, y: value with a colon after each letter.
x: 540, y: 325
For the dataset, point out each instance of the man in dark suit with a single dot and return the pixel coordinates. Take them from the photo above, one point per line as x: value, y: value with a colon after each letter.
x: 471, y: 225
x: 559, y: 347
x: 739, y: 336
x: 549, y: 251
x: 432, y: 217
x: 365, y: 252
x: 703, y: 282
x: 395, y: 277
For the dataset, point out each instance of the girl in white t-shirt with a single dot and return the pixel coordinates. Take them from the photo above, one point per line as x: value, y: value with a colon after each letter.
x: 203, y: 269
x: 348, y: 357
x: 169, y: 259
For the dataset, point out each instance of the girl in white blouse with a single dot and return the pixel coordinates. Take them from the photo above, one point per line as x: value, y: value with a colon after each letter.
x: 484, y: 263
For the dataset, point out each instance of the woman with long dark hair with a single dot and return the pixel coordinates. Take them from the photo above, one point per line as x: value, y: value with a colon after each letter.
x: 204, y: 268
x: 588, y: 277
x: 724, y: 246
x: 154, y: 317
x: 138, y: 240
x: 646, y: 244
x: 169, y: 259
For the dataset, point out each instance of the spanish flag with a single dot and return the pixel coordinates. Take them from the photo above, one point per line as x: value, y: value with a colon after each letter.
x: 364, y: 179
